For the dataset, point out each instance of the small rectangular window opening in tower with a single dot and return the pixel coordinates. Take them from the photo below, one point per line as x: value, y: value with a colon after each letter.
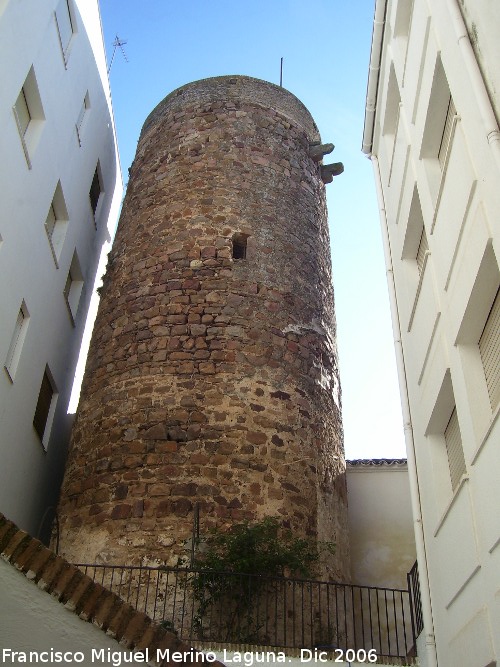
x: 239, y: 246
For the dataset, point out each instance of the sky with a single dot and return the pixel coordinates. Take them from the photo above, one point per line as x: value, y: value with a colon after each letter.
x: 325, y: 46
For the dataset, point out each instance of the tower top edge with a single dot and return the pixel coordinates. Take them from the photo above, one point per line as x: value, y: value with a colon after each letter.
x: 242, y: 88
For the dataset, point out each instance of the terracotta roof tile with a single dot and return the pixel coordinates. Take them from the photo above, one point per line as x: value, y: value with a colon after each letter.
x: 38, y: 562
x: 376, y: 462
x: 137, y: 624
x: 150, y: 638
x: 50, y: 572
x: 16, y: 545
x: 78, y: 594
x: 62, y: 581
x: 6, y: 527
x: 120, y: 620
x: 73, y: 584
x: 89, y: 602
x: 108, y: 604
x: 33, y: 548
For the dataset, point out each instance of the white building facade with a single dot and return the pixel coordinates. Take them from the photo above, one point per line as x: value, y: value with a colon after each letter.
x: 432, y: 132
x: 61, y: 187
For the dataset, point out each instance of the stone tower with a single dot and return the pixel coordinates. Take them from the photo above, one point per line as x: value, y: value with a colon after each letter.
x: 212, y: 380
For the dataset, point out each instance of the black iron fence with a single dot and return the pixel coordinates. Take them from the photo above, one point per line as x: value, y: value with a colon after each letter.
x: 224, y: 607
x: 415, y: 599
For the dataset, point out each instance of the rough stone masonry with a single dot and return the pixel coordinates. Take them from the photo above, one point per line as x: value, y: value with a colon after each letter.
x: 212, y: 383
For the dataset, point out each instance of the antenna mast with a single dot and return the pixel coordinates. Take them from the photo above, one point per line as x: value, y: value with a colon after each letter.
x: 118, y: 43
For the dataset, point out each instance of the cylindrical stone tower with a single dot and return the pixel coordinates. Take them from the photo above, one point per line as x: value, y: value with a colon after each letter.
x: 212, y: 377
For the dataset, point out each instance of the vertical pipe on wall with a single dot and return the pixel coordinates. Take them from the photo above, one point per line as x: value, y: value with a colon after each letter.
x: 479, y: 89
x: 373, y: 74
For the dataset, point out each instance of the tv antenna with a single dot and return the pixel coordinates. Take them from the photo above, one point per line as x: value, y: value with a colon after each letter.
x: 118, y: 43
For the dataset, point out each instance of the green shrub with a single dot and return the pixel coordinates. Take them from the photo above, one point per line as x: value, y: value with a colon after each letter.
x: 242, y: 604
x: 262, y: 548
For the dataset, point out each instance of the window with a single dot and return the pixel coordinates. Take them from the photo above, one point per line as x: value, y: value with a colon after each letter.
x: 454, y: 449
x: 477, y: 339
x: 423, y: 249
x: 65, y: 26
x: 447, y: 461
x: 489, y: 349
x: 22, y: 111
x: 50, y: 223
x: 56, y: 223
x: 391, y: 124
x: 447, y: 133
x: 415, y: 254
x: 438, y: 131
x: 17, y: 341
x: 29, y: 115
x: 402, y: 23
x: 73, y: 286
x: 45, y: 408
x: 393, y: 101
x: 81, y: 117
x: 239, y: 246
x: 95, y: 190
x: 402, y: 28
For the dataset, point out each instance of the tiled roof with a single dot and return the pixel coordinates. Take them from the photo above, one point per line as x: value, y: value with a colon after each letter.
x: 377, y: 462
x: 87, y: 599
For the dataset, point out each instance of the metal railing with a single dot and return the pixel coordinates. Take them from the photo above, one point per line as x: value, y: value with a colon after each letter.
x: 226, y: 607
x: 415, y: 599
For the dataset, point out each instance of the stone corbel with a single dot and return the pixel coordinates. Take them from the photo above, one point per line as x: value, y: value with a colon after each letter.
x: 317, y: 151
x: 328, y: 171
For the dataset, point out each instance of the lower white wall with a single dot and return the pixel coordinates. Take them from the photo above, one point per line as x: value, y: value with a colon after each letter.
x: 32, y: 620
x: 380, y: 523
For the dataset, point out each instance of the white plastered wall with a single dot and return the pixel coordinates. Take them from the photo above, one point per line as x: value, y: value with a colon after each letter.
x: 380, y: 524
x: 442, y: 313
x: 30, y: 473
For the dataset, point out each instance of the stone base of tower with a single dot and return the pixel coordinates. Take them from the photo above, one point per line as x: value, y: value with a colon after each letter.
x: 138, y: 498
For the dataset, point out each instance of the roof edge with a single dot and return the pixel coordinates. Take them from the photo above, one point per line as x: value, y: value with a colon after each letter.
x: 376, y: 463
x: 373, y: 75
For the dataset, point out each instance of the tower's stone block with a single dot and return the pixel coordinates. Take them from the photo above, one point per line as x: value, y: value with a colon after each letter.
x: 212, y: 377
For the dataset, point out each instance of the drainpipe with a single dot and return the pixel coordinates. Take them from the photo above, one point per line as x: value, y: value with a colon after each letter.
x: 479, y: 90
x: 373, y: 74
x: 430, y: 641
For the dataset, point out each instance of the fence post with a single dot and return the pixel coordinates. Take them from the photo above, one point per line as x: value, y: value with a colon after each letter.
x: 412, y: 610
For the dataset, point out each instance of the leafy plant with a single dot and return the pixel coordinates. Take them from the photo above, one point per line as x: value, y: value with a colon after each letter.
x: 239, y: 581
x: 262, y: 548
